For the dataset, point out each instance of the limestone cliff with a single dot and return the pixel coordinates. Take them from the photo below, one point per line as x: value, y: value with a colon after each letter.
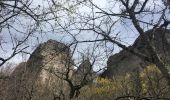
x: 84, y: 73
x: 124, y: 61
x: 41, y: 77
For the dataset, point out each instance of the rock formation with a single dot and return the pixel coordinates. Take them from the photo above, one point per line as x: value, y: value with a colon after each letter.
x: 124, y: 61
x: 41, y: 77
x: 84, y: 73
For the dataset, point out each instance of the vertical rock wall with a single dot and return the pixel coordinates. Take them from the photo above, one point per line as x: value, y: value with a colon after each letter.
x: 41, y: 77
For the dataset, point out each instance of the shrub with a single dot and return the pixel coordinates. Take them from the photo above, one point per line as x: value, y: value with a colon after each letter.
x: 148, y: 83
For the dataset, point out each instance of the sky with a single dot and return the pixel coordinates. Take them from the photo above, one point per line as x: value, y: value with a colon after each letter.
x: 7, y: 48
x: 129, y: 34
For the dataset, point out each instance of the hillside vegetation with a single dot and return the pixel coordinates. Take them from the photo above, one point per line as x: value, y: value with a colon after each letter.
x: 145, y: 85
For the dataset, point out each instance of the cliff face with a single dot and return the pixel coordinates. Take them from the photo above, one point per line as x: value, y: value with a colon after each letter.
x: 41, y: 77
x: 124, y: 61
x: 84, y: 73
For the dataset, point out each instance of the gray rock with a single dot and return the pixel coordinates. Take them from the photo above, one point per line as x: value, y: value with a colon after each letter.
x: 124, y: 62
x: 84, y: 73
x: 41, y: 77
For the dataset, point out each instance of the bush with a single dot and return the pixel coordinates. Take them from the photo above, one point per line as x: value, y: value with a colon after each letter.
x: 148, y: 83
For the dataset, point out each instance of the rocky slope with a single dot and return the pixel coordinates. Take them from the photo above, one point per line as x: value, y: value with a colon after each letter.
x: 124, y: 61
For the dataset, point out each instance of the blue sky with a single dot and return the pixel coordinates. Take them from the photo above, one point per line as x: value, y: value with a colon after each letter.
x: 127, y: 32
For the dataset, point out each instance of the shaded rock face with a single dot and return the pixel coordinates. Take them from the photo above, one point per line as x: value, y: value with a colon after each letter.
x: 124, y: 61
x: 84, y: 73
x: 40, y: 78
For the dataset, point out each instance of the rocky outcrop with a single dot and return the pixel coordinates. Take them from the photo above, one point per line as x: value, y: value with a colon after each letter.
x: 41, y: 77
x: 84, y: 73
x: 124, y: 61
